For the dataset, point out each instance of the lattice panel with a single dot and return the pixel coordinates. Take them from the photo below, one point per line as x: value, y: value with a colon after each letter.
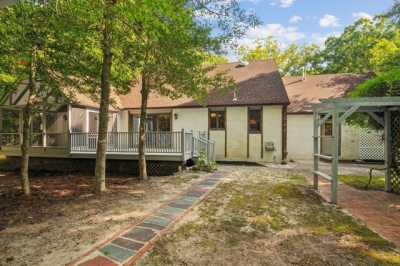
x: 395, y: 147
x: 372, y: 145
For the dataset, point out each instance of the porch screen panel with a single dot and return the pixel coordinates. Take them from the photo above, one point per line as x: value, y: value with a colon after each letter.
x: 10, y: 121
x: 78, y: 120
x: 56, y: 129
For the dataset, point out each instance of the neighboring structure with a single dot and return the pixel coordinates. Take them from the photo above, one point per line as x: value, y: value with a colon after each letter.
x: 248, y: 124
x: 355, y: 143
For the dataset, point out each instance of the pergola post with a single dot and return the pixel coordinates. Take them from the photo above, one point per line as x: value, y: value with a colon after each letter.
x: 388, y: 152
x: 316, y: 141
x: 335, y: 155
x: 1, y: 120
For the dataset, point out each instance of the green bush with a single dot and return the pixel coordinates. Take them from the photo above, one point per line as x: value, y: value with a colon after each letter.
x: 202, y: 164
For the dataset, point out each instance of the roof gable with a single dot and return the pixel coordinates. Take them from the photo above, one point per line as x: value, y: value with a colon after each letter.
x: 259, y: 83
x: 303, y: 92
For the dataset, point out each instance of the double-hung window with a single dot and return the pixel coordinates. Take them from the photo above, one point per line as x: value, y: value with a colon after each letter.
x: 217, y: 119
x: 255, y: 124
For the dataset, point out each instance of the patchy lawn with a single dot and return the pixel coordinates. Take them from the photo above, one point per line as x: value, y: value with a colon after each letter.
x: 64, y: 218
x: 262, y: 218
x: 360, y: 182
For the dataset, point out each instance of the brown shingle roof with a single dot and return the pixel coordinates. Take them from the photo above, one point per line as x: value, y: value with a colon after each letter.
x: 315, y: 87
x: 259, y: 83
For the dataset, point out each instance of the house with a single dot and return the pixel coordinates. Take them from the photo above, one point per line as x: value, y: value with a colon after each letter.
x: 266, y: 119
x: 248, y: 124
x: 356, y: 143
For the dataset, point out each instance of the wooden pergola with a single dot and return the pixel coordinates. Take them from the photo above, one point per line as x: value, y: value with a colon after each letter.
x: 384, y: 110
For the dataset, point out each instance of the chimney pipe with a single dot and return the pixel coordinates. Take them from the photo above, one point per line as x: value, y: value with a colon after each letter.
x: 304, y: 74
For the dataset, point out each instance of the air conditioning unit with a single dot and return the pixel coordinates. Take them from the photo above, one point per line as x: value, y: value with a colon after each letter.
x: 269, y: 146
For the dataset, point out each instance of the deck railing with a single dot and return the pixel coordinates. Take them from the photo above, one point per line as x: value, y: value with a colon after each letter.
x: 128, y: 142
x: 185, y: 143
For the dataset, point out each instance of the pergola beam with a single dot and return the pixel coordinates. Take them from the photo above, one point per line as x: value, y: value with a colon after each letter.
x: 378, y: 119
x: 324, y: 119
x: 348, y: 113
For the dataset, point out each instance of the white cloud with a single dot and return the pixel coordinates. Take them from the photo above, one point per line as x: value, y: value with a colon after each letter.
x: 295, y: 19
x: 284, y: 35
x: 320, y: 39
x: 286, y: 3
x: 358, y: 15
x: 329, y: 21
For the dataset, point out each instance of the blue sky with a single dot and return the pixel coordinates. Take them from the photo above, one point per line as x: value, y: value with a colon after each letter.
x: 307, y: 21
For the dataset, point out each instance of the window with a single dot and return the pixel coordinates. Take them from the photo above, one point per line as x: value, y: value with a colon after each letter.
x: 155, y: 122
x: 328, y: 129
x: 254, y: 120
x: 217, y: 120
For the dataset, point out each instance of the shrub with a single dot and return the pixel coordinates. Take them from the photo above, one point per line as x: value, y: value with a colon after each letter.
x: 202, y: 164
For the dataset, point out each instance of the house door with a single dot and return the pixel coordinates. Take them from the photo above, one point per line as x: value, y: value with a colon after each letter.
x: 326, y: 138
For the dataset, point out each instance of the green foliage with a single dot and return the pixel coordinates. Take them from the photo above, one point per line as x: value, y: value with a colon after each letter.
x: 212, y: 59
x: 385, y: 84
x: 360, y: 182
x: 27, y: 49
x: 361, y: 48
x: 394, y: 12
x: 202, y: 164
x: 291, y: 61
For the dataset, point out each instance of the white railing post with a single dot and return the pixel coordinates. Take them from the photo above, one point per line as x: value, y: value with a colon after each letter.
x: 183, y: 148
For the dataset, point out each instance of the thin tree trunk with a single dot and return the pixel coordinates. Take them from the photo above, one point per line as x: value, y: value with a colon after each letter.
x: 26, y: 137
x: 26, y: 129
x: 142, y: 130
x: 100, y: 171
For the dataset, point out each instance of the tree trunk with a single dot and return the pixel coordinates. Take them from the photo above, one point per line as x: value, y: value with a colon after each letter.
x: 100, y: 171
x: 26, y: 137
x: 142, y: 130
x: 26, y: 129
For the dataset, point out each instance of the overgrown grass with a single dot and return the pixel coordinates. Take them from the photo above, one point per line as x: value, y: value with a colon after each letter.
x: 360, y: 182
x: 258, y: 220
x: 181, y: 179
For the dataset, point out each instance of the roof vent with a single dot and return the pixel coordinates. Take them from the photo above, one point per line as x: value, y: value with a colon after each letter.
x: 243, y: 63
x: 235, y: 97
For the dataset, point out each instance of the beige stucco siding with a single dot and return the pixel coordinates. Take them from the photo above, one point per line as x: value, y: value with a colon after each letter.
x: 350, y: 143
x: 300, y: 143
x: 300, y: 131
x: 236, y: 129
x: 219, y: 137
x: 195, y: 119
x: 272, y: 130
x: 255, y: 147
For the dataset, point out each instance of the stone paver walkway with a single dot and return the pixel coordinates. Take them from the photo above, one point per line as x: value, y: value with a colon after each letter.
x: 379, y: 210
x: 126, y: 247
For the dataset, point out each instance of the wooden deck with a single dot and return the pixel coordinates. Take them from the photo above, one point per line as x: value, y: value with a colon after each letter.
x: 160, y: 146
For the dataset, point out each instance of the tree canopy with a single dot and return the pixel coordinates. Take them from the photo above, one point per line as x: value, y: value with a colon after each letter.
x: 291, y: 61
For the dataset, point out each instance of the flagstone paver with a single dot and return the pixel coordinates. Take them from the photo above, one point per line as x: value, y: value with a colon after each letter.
x: 140, y: 234
x: 99, y: 261
x: 117, y: 253
x: 126, y: 247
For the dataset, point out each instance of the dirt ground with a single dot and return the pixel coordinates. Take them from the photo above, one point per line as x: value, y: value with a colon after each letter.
x: 63, y: 217
x: 270, y: 216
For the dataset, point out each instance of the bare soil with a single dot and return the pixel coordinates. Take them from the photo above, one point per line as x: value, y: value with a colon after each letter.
x: 63, y: 217
x: 269, y: 216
